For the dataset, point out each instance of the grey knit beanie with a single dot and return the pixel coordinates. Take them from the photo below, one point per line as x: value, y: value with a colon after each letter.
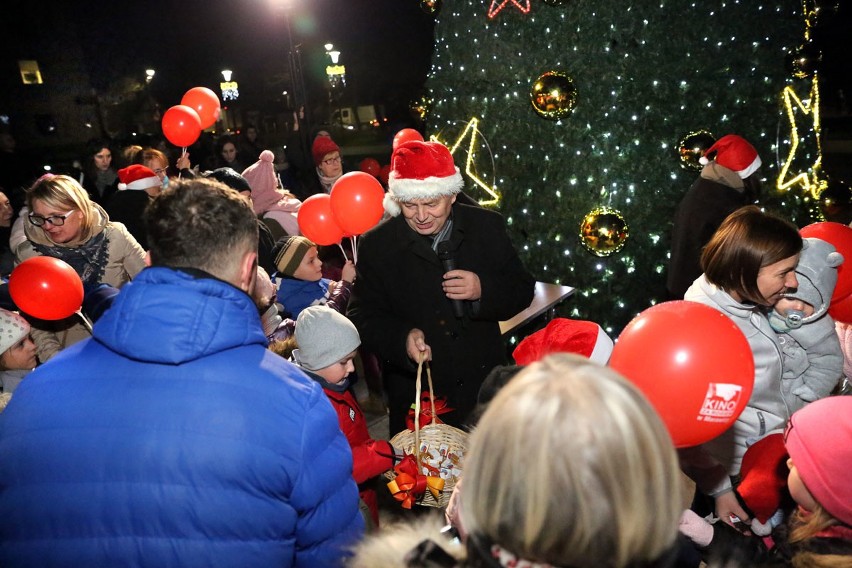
x: 13, y: 328
x: 324, y: 337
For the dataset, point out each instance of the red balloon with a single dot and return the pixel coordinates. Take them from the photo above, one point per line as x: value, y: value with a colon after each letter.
x: 840, y: 236
x: 181, y: 126
x: 205, y: 102
x: 356, y: 202
x: 406, y: 135
x: 316, y: 220
x: 841, y: 310
x: 370, y: 166
x: 46, y: 288
x: 693, y: 364
x: 384, y: 174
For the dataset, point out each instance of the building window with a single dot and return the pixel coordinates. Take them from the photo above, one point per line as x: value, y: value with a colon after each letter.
x: 30, y: 74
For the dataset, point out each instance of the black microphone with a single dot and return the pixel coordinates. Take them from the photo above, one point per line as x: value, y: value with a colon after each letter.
x: 449, y: 262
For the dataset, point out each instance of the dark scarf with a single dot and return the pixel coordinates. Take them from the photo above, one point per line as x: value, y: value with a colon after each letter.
x: 89, y: 260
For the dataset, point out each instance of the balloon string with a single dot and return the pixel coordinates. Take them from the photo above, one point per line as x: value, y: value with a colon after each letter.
x: 340, y: 246
x: 354, y: 240
x: 86, y: 321
x: 182, y: 154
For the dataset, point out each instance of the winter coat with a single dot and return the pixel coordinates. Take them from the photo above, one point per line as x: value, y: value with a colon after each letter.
x: 717, y: 193
x: 766, y: 411
x: 398, y: 288
x: 174, y: 438
x: 369, y: 457
x: 126, y: 207
x: 296, y: 295
x: 125, y: 259
x: 813, y: 360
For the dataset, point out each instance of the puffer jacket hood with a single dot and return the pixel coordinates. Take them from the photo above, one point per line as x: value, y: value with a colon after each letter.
x: 133, y: 326
x: 817, y: 276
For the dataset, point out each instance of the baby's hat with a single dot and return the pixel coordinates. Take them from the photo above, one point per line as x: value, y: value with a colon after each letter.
x: 819, y: 441
x: 817, y: 275
x: 288, y: 253
x: 261, y: 174
x: 13, y: 328
x: 324, y: 336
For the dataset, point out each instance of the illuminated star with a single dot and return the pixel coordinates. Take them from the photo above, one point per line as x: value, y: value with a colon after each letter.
x: 470, y: 165
x: 810, y: 179
x: 498, y: 5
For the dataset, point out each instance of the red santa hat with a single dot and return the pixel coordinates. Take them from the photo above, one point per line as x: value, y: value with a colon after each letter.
x: 563, y: 335
x: 421, y: 170
x: 734, y: 153
x: 137, y: 177
x: 764, y: 481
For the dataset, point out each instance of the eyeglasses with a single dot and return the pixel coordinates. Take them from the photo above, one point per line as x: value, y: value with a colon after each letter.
x: 330, y: 161
x: 55, y: 220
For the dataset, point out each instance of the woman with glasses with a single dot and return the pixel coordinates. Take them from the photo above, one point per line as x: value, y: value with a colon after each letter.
x: 329, y: 168
x: 64, y: 223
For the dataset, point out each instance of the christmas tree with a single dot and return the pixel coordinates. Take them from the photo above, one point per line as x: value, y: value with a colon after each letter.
x: 569, y: 115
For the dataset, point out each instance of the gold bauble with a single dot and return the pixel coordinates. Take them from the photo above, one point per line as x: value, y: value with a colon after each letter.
x: 603, y: 231
x: 692, y: 146
x: 553, y: 95
x: 431, y: 6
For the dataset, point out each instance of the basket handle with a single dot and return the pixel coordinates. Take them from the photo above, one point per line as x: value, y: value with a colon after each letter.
x: 418, y: 387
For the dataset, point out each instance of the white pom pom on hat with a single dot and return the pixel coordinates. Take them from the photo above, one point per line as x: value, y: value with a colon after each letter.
x: 734, y: 153
x: 421, y: 170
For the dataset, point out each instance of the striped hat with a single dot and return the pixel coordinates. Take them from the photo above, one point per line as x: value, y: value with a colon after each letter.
x: 288, y: 253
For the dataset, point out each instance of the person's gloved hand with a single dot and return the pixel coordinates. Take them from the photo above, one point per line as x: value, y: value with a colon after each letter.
x: 696, y: 528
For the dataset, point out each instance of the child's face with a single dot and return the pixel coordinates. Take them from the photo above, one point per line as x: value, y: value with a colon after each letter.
x: 336, y: 373
x: 784, y: 305
x: 21, y: 355
x: 798, y: 490
x: 310, y: 268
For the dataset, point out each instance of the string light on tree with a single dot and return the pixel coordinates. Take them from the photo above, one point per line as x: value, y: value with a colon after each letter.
x: 498, y: 5
x: 472, y: 129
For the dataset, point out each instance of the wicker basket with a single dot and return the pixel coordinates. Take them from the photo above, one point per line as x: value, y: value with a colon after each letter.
x: 436, y: 438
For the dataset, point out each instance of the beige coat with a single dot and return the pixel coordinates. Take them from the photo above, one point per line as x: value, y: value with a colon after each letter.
x: 126, y: 258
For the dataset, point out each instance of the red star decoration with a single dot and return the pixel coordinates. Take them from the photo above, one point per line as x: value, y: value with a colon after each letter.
x: 498, y: 5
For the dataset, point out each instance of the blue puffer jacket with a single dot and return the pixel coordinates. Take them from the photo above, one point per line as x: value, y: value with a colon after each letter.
x: 174, y: 438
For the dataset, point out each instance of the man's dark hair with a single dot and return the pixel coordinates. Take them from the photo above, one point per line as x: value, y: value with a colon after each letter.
x: 200, y: 223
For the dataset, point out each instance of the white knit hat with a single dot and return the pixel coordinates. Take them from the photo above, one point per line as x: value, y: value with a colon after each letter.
x: 421, y: 170
x: 137, y: 177
x: 734, y: 153
x: 13, y: 328
x: 324, y: 336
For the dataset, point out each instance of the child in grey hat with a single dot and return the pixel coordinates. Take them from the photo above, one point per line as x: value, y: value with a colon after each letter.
x: 813, y: 360
x: 17, y: 350
x: 326, y: 344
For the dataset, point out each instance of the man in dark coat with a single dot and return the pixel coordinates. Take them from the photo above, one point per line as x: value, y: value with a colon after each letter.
x: 726, y: 183
x: 409, y: 303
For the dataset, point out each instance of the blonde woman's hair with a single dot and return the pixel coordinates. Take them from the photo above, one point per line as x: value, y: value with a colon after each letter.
x: 571, y: 466
x: 64, y: 193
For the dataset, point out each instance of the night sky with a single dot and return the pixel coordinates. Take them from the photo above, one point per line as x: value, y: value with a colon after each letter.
x: 386, y: 45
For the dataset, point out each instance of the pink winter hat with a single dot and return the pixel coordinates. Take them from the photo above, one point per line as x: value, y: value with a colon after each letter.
x: 261, y: 177
x: 819, y: 440
x: 421, y: 170
x: 734, y: 153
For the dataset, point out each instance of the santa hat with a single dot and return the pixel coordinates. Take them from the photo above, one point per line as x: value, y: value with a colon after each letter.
x: 322, y: 147
x: 138, y: 177
x: 734, y: 153
x: 564, y: 335
x: 819, y: 441
x: 421, y: 170
x: 764, y: 481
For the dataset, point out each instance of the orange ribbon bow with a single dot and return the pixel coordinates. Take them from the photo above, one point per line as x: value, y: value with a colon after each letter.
x: 409, y: 485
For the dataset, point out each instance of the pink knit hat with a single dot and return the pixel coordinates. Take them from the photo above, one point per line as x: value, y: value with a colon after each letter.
x: 421, y: 170
x: 261, y: 177
x: 734, y: 153
x: 322, y: 147
x: 819, y: 440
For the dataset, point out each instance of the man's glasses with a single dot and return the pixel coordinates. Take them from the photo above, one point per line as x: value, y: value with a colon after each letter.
x: 331, y: 161
x: 55, y: 220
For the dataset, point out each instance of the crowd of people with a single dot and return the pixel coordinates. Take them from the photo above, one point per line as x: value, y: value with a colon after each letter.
x: 200, y: 409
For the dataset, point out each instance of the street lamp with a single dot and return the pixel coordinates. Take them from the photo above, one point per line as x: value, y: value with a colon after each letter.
x: 149, y: 75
